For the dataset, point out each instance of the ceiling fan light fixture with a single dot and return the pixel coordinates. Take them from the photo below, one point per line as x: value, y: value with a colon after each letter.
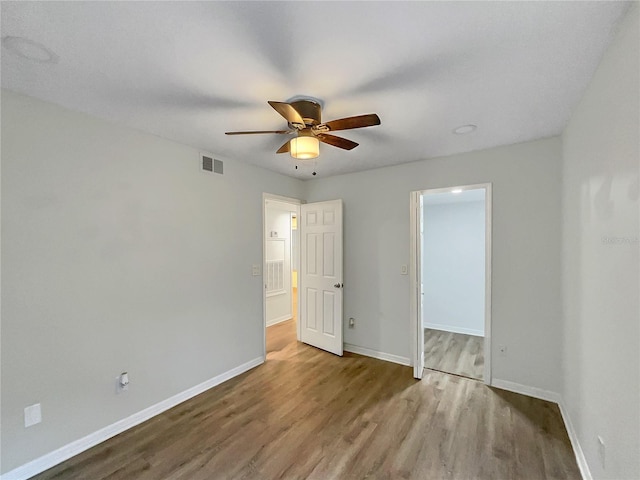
x: 304, y: 148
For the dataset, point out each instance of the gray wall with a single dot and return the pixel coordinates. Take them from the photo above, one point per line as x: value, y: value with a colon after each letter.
x: 118, y: 254
x: 453, y: 273
x: 601, y: 261
x: 526, y: 252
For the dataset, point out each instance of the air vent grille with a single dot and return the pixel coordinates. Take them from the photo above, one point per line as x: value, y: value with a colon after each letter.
x: 207, y: 163
x: 210, y: 164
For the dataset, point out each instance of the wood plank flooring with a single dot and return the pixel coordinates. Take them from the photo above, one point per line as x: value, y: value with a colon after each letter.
x: 309, y: 414
x: 454, y: 353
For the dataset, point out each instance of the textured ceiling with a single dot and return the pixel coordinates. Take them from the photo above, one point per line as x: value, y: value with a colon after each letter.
x: 189, y: 71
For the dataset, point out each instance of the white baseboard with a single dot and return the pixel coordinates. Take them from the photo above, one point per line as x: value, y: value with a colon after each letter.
x: 555, y: 398
x: 281, y: 319
x: 526, y: 390
x: 452, y: 329
x: 51, y: 459
x: 575, y: 443
x: 375, y: 354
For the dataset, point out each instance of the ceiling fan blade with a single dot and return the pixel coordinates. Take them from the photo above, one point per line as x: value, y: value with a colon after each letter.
x: 336, y: 141
x: 254, y: 132
x: 359, y: 121
x: 285, y: 147
x: 290, y: 114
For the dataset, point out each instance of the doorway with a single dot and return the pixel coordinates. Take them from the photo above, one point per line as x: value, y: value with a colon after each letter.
x: 316, y: 246
x: 281, y: 258
x: 451, y: 277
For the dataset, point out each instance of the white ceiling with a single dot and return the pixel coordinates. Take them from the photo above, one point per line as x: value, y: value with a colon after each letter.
x: 189, y: 71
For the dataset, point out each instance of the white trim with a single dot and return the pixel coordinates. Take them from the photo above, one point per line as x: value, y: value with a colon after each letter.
x: 453, y: 329
x: 535, y: 392
x: 281, y: 319
x: 61, y: 454
x: 488, y: 232
x: 282, y: 199
x: 417, y: 335
x: 367, y: 352
x: 581, y: 460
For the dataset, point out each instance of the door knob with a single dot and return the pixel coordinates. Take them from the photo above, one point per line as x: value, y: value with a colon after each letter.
x: 337, y: 285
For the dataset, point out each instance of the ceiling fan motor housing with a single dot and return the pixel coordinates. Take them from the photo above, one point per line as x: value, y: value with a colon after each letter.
x: 311, y: 112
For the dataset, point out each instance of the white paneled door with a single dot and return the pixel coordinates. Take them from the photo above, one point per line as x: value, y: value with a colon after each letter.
x: 321, y: 275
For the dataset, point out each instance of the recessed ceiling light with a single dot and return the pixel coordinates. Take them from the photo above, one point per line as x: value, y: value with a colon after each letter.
x: 456, y: 190
x: 28, y: 49
x: 463, y: 129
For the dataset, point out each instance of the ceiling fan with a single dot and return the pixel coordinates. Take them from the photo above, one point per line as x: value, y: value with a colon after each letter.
x: 304, y: 121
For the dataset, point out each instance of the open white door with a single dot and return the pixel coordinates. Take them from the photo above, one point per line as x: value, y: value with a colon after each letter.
x: 416, y: 283
x: 321, y: 275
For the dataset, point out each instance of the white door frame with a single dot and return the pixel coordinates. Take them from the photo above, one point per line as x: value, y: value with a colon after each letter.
x: 294, y: 201
x: 417, y: 345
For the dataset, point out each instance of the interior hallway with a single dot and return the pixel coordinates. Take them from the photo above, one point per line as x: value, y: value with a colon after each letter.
x: 279, y: 335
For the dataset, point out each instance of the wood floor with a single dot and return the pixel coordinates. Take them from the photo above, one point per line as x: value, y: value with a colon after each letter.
x: 309, y: 414
x: 454, y: 353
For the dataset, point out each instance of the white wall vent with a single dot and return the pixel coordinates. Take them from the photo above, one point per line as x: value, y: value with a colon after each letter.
x: 275, y: 277
x: 210, y: 164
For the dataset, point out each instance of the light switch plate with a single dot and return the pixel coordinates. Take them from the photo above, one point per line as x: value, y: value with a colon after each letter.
x: 32, y: 415
x: 404, y: 270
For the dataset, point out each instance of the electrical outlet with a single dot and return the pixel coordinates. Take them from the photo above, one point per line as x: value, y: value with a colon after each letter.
x: 601, y: 450
x: 32, y: 415
x: 255, y: 270
x: 352, y: 322
x: 503, y: 350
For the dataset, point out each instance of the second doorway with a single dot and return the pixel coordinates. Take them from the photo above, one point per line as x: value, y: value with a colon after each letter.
x: 453, y: 256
